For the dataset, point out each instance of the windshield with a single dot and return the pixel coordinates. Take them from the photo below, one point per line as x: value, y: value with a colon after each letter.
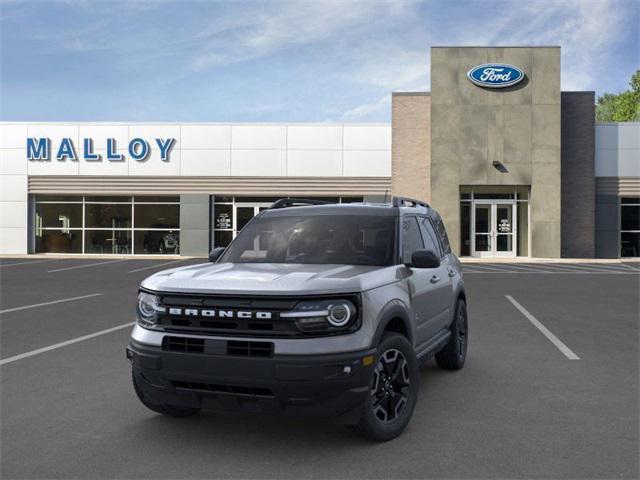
x: 341, y: 239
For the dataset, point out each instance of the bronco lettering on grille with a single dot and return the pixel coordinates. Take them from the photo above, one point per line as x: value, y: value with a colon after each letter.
x: 194, y: 312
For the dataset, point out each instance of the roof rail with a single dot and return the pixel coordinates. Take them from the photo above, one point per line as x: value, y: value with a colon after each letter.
x: 403, y: 201
x: 294, y: 202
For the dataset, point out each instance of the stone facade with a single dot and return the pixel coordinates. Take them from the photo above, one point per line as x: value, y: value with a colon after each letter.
x: 471, y: 127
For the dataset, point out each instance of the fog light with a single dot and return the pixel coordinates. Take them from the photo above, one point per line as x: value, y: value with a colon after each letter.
x: 368, y: 360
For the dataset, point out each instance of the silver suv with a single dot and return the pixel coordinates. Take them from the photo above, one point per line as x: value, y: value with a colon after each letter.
x: 313, y: 309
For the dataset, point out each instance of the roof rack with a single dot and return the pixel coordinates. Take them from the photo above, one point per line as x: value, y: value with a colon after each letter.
x: 294, y: 202
x: 403, y: 201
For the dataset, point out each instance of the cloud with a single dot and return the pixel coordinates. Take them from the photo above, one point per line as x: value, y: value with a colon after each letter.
x: 367, y: 109
x: 282, y: 61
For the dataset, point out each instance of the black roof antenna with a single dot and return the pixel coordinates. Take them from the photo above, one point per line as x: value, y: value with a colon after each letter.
x: 385, y: 195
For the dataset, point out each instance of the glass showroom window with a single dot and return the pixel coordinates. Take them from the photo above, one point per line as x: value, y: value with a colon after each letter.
x: 630, y: 227
x: 58, y: 224
x: 108, y: 224
x: 233, y: 213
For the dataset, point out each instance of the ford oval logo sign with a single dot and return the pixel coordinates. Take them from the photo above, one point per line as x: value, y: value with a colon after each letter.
x: 495, y: 75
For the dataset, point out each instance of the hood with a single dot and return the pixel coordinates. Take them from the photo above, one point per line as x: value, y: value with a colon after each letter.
x: 271, y: 278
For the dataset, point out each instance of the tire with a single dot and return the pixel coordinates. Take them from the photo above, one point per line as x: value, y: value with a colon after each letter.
x: 454, y: 353
x: 164, y: 409
x: 393, y: 391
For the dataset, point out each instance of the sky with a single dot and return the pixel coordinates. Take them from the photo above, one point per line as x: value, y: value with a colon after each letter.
x: 277, y: 61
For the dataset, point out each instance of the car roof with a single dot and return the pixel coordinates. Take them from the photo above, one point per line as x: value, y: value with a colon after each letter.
x: 369, y: 209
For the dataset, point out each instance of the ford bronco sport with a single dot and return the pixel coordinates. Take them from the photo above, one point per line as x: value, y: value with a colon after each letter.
x: 313, y: 309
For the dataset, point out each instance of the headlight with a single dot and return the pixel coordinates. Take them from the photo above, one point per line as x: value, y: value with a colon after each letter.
x: 148, y: 309
x: 323, y: 316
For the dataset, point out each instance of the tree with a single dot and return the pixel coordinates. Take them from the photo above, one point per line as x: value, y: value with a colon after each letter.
x: 621, y: 107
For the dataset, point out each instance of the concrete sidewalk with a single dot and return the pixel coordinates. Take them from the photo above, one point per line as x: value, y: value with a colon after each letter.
x: 547, y: 260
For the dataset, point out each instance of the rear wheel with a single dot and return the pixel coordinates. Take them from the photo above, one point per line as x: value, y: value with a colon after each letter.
x: 393, y: 390
x: 454, y: 354
x: 164, y: 409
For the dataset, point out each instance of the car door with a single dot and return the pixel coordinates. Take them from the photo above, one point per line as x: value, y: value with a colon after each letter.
x: 422, y: 283
x: 443, y: 287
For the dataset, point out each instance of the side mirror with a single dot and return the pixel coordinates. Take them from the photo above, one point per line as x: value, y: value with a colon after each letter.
x: 215, y: 254
x: 425, y: 259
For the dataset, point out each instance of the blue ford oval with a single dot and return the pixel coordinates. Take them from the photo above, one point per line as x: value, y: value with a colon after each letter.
x: 495, y: 75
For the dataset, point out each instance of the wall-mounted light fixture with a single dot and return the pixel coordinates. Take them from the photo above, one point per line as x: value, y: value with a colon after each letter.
x: 500, y: 167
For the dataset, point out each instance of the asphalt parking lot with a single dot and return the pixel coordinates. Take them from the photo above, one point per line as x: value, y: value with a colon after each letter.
x: 550, y: 389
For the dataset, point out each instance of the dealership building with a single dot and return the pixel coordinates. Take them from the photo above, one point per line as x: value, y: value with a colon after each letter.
x: 516, y: 167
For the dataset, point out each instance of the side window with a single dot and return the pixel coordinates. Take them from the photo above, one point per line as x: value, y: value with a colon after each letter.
x: 430, y: 237
x: 411, y: 238
x: 443, y: 235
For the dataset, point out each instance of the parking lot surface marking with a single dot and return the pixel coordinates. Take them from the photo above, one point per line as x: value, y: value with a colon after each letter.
x: 28, y: 262
x: 544, y: 330
x: 86, y: 265
x: 155, y: 266
x: 15, y: 358
x: 62, y: 300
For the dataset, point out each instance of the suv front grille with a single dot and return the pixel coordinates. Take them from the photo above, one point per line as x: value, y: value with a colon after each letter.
x: 244, y: 316
x: 241, y: 316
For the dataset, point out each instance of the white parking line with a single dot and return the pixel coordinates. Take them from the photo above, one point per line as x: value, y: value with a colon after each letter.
x: 486, y: 268
x: 528, y: 268
x: 15, y: 358
x: 580, y: 268
x: 63, y: 300
x: 154, y: 266
x: 544, y: 330
x: 86, y: 265
x: 28, y: 262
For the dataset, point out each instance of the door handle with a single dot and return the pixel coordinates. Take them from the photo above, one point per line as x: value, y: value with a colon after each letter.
x: 452, y: 273
x: 435, y: 279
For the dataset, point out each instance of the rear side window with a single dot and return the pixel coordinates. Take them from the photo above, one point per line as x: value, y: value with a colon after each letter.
x: 442, y: 233
x: 411, y: 238
x: 429, y: 235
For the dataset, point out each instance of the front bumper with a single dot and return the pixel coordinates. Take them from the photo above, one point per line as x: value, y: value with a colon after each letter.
x: 333, y: 385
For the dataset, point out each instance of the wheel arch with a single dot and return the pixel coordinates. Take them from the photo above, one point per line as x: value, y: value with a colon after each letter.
x: 394, y: 318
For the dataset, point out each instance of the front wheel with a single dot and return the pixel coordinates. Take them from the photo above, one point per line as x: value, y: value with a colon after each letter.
x: 393, y: 390
x: 454, y: 353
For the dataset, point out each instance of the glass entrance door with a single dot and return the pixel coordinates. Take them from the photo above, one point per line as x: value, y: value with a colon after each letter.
x: 243, y: 212
x: 493, y: 228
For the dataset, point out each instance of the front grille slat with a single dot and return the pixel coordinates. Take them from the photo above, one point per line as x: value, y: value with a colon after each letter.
x: 201, y: 345
x: 250, y: 349
x: 224, y: 389
x: 183, y: 344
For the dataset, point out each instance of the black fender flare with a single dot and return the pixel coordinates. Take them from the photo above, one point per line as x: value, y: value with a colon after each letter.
x: 459, y: 295
x: 393, y: 309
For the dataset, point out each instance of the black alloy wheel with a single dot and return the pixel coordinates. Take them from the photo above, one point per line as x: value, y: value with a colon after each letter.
x: 393, y: 391
x: 390, y: 389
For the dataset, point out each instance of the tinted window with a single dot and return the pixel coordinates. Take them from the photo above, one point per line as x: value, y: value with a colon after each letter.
x: 322, y: 239
x: 429, y: 236
x: 411, y: 238
x: 630, y: 217
x: 442, y: 233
